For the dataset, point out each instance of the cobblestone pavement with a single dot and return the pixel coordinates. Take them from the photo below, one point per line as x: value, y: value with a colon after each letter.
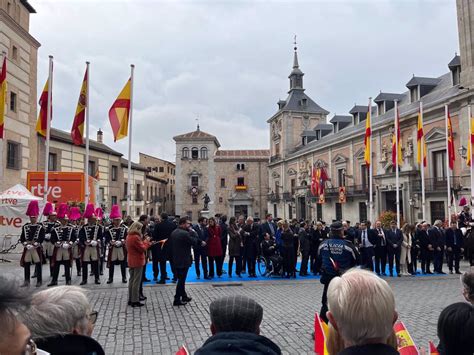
x: 289, y: 307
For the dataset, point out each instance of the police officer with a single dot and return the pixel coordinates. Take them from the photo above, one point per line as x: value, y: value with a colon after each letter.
x: 335, y: 256
x: 115, y: 237
x: 90, y: 238
x: 32, y: 235
x: 63, y: 239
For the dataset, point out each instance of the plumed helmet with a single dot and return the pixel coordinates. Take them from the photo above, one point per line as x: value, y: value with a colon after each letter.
x: 75, y: 214
x: 48, y: 209
x: 89, y: 212
x: 115, y: 212
x: 462, y: 202
x: 63, y: 211
x: 33, y: 209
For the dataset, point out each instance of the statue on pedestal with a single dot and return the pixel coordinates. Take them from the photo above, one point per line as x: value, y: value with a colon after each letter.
x: 206, y: 199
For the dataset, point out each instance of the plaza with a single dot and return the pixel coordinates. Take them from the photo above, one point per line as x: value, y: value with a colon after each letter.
x: 289, y: 308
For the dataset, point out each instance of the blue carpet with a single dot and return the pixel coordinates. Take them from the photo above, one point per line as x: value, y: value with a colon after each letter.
x: 192, y: 278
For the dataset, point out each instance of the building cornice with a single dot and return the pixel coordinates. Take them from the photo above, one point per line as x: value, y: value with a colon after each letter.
x: 18, y: 29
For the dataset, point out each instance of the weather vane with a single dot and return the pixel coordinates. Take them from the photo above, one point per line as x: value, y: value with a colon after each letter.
x: 197, y: 122
x: 295, y: 42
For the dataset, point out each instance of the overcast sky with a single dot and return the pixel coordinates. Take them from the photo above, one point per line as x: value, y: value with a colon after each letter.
x: 227, y: 62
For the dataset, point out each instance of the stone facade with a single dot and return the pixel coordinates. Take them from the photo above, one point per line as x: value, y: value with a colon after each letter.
x: 235, y: 181
x: 163, y: 170
x: 19, y: 146
x: 341, y: 150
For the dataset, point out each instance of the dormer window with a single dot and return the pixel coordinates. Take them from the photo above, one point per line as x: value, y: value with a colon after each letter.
x: 318, y: 135
x: 414, y: 94
x: 455, y: 67
x: 380, y: 108
x: 304, y: 102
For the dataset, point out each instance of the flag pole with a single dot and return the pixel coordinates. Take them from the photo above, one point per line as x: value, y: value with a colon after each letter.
x: 469, y: 113
x: 371, y: 173
x: 397, y: 182
x: 48, y: 125
x: 129, y: 188
x: 86, y: 180
x: 3, y: 57
x: 448, y: 173
x: 422, y: 167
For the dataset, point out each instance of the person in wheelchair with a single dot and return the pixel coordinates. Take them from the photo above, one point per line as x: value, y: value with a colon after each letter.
x: 270, y: 253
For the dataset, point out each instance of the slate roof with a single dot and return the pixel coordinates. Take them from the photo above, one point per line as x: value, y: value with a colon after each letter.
x: 419, y: 80
x: 293, y: 103
x: 197, y: 135
x: 65, y: 137
x: 135, y: 166
x: 30, y: 8
x: 359, y: 108
x: 441, y: 93
x: 308, y: 134
x: 455, y: 62
x: 324, y: 127
x: 341, y: 118
x: 387, y: 96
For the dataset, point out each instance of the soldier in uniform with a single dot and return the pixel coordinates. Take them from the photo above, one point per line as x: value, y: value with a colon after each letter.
x: 63, y: 240
x: 49, y: 225
x: 90, y: 238
x: 115, y: 237
x: 75, y: 218
x: 100, y: 220
x: 32, y: 235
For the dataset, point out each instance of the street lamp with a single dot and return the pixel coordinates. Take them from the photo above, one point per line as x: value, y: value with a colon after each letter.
x: 463, y: 152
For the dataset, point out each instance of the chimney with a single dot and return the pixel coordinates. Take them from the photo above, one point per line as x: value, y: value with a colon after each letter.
x: 100, y: 136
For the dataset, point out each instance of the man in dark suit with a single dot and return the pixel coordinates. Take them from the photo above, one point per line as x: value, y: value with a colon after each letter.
x: 394, y: 247
x: 380, y: 249
x: 224, y: 239
x: 200, y: 252
x: 454, y: 245
x: 439, y: 244
x: 161, y: 250
x: 426, y: 248
x: 268, y: 227
x: 367, y: 240
x: 181, y: 241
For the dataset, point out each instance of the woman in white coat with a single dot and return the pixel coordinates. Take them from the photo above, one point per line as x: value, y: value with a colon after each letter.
x: 405, y: 254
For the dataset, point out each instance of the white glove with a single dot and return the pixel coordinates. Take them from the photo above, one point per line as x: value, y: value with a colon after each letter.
x: 118, y: 244
x: 66, y: 246
x: 29, y: 246
x: 47, y: 236
x: 94, y: 243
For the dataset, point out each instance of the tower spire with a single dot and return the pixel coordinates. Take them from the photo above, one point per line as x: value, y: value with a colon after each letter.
x: 295, y: 58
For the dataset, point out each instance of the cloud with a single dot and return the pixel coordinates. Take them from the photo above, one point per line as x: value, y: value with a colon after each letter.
x: 227, y: 62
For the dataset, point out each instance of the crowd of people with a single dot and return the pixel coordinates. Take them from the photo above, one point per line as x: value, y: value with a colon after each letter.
x: 361, y: 316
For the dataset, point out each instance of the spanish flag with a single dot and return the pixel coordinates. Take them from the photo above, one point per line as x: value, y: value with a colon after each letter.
x: 77, y: 131
x: 396, y: 142
x: 470, y: 143
x: 41, y: 123
x: 406, y: 345
x: 3, y: 94
x: 321, y: 332
x: 368, y: 137
x: 433, y: 349
x: 119, y: 113
x: 420, y: 139
x: 451, y: 151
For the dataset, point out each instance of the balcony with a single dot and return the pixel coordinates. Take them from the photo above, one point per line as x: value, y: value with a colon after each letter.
x: 273, y: 198
x: 437, y: 184
x: 288, y: 197
x: 352, y: 190
x: 240, y: 187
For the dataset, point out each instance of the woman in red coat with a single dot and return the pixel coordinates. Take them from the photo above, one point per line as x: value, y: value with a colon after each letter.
x: 214, y: 248
x: 136, y: 248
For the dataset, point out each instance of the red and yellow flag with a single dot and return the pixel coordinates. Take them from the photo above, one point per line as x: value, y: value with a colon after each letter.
x: 433, y: 349
x: 3, y: 94
x: 119, y: 113
x: 321, y: 332
x: 77, y: 131
x: 41, y: 123
x: 405, y: 343
x: 420, y: 139
x: 470, y: 143
x: 396, y: 142
x: 367, y: 139
x: 451, y: 151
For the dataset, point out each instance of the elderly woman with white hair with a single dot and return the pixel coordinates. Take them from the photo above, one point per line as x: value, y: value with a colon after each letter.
x: 362, y: 313
x: 61, y: 320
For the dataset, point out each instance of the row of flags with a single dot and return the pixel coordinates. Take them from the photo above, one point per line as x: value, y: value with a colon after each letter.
x: 119, y: 113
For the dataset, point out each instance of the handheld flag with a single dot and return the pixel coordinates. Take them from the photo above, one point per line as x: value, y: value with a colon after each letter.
x: 451, y: 151
x: 3, y: 94
x: 41, y: 123
x: 420, y: 139
x: 470, y: 143
x: 320, y: 336
x: 433, y: 349
x: 406, y: 345
x: 182, y: 351
x: 77, y: 131
x: 396, y: 143
x: 367, y: 139
x: 119, y: 113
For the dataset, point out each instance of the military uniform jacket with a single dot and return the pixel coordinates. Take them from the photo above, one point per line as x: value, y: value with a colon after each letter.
x: 31, y: 234
x: 116, y: 234
x: 65, y: 233
x: 89, y: 233
x: 464, y: 219
x: 50, y: 230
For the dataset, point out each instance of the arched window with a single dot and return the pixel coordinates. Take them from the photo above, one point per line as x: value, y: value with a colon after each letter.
x: 194, y: 153
x: 203, y: 153
x: 185, y: 153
